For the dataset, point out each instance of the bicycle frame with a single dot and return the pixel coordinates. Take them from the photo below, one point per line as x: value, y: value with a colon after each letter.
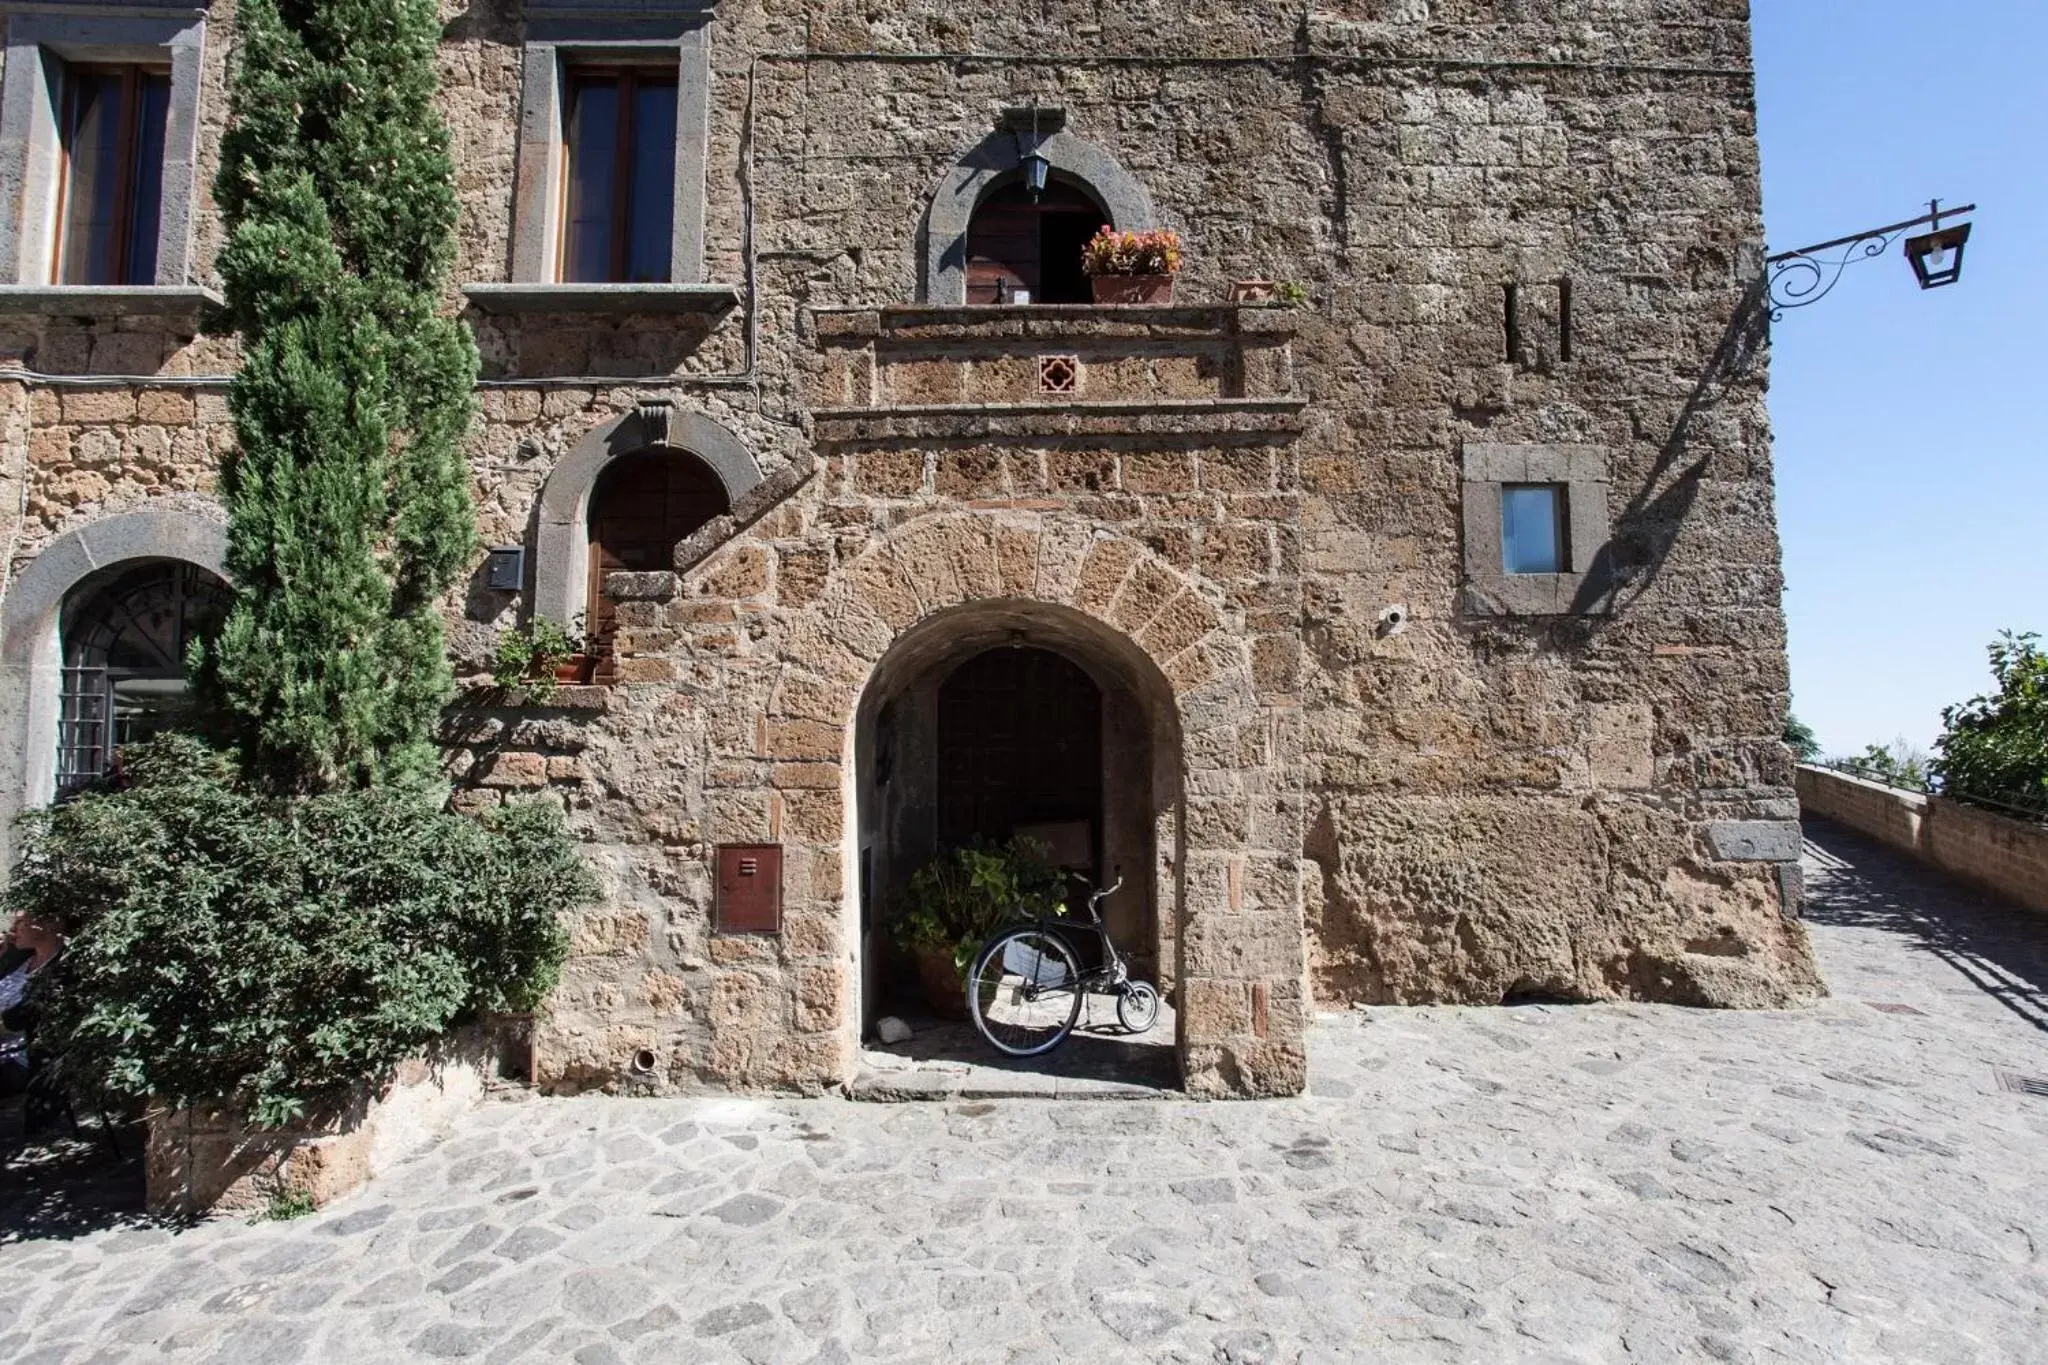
x: 1113, y: 972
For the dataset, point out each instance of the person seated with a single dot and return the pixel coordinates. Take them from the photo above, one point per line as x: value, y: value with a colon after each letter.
x: 33, y: 946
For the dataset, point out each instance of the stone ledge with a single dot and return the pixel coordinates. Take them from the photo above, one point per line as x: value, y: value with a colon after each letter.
x: 610, y: 299
x: 106, y: 300
x: 1194, y: 419
x: 212, y: 1160
x: 921, y: 322
x: 1754, y: 841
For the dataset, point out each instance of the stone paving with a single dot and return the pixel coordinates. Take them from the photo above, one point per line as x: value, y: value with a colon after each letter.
x: 1537, y: 1184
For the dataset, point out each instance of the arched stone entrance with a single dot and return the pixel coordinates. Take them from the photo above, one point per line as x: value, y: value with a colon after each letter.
x: 1226, y: 885
x: 32, y: 656
x: 1009, y: 717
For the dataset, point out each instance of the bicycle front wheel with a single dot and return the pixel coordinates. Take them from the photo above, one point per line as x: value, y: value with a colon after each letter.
x: 1024, y: 992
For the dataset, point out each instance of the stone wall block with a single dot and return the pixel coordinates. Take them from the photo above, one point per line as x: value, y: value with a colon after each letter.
x: 1102, y: 575
x: 1016, y: 559
x: 514, y: 769
x: 820, y: 997
x: 1179, y: 625
x: 801, y: 575
x: 1254, y: 946
x: 879, y: 586
x: 1063, y: 550
x: 812, y: 740
x: 802, y: 697
x: 1150, y: 587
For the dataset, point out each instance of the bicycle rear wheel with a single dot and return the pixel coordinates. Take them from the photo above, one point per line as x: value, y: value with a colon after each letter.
x: 1024, y: 992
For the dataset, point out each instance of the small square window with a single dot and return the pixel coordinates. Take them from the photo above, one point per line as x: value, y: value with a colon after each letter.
x: 1532, y: 528
x: 619, y: 189
x: 111, y: 206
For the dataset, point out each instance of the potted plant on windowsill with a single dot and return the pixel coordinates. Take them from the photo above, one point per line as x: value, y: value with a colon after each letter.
x: 541, y: 656
x: 955, y: 901
x: 1132, y: 267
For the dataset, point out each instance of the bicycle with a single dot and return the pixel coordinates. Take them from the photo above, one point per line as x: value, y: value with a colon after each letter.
x: 1025, y: 989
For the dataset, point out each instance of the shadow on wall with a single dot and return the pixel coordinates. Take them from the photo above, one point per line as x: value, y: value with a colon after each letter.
x: 1857, y: 883
x: 1646, y: 529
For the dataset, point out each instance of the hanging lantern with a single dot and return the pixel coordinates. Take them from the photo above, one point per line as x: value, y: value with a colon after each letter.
x: 1937, y: 257
x: 1036, y: 171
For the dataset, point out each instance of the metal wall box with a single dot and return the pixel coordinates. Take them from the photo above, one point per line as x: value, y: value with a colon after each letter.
x: 505, y: 570
x: 749, y: 889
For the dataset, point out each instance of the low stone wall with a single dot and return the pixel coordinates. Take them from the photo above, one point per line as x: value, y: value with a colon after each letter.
x: 212, y: 1161
x: 2006, y: 856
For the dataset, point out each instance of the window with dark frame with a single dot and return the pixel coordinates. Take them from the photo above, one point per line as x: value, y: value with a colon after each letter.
x: 619, y: 176
x: 124, y: 651
x: 110, y: 202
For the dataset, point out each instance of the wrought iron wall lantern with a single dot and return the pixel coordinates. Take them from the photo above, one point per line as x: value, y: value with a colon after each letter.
x: 1808, y: 275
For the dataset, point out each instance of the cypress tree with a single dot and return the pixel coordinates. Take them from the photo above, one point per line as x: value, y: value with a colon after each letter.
x: 348, y: 501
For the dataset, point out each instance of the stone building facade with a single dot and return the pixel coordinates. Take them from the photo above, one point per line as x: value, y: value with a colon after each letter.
x: 1349, y: 750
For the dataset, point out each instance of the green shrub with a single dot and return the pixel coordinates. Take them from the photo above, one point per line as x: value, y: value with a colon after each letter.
x: 228, y: 946
x: 1995, y: 747
x: 963, y: 895
x: 1898, y: 765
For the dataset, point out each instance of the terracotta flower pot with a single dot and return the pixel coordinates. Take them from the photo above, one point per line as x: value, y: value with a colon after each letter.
x: 1132, y: 288
x: 576, y: 669
x: 945, y: 994
x: 1251, y: 291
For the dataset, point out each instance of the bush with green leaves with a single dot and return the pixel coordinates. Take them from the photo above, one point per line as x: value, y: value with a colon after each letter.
x: 963, y: 895
x: 225, y: 945
x: 1994, y: 747
x: 1897, y: 764
x: 1800, y: 739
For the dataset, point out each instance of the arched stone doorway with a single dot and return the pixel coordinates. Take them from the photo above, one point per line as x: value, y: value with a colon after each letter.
x: 641, y: 507
x: 1018, y: 242
x: 1010, y: 716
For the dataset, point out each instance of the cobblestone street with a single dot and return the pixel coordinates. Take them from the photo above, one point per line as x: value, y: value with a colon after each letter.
x: 1540, y: 1183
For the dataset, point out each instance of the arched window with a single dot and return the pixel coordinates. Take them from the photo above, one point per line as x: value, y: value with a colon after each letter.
x: 642, y: 505
x: 1014, y: 242
x: 124, y: 661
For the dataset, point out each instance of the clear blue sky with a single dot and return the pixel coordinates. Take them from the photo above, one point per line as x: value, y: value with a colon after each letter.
x: 1911, y: 461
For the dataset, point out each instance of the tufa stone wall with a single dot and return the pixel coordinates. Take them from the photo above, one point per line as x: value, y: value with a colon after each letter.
x: 1470, y: 806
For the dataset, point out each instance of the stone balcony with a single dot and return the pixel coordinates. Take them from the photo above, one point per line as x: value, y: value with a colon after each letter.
x: 1061, y: 370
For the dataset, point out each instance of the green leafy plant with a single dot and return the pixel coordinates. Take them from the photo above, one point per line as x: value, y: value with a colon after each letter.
x: 1291, y: 293
x: 963, y: 895
x: 528, y: 656
x: 1897, y: 764
x: 286, y: 1206
x: 349, y: 510
x: 1800, y: 739
x: 1110, y: 252
x: 1994, y: 747
x: 225, y: 945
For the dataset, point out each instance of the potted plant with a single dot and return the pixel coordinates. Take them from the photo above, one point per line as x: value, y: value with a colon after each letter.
x: 1132, y: 267
x: 538, y: 657
x: 955, y: 901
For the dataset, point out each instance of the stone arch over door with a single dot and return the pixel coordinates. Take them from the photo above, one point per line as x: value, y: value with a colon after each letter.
x: 1234, y: 922
x: 997, y: 157
x: 31, y: 666
x: 562, y: 537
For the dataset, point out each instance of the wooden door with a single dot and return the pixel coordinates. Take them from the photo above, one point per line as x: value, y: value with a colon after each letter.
x: 643, y: 505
